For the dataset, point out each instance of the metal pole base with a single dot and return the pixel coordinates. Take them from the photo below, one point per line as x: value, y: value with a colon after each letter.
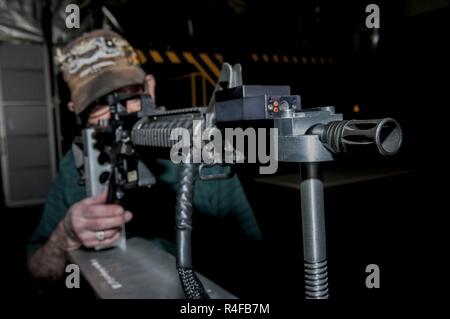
x: 313, y: 226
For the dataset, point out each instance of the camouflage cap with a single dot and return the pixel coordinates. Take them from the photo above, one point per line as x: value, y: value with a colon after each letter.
x: 98, y: 63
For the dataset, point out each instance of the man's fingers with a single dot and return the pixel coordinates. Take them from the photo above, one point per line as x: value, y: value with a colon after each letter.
x: 96, y: 224
x: 100, y: 211
x: 99, y: 199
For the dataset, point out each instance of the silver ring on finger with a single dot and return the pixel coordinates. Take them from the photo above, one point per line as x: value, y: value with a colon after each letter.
x: 100, y: 235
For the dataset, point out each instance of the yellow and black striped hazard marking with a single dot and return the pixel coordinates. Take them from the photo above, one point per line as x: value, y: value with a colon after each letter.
x: 209, y: 64
x: 212, y: 62
x: 289, y: 58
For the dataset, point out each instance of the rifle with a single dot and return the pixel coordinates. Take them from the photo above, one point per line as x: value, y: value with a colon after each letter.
x: 306, y: 136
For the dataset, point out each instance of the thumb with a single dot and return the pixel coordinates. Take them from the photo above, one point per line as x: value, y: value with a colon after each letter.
x: 99, y: 199
x: 150, y: 84
x: 71, y: 106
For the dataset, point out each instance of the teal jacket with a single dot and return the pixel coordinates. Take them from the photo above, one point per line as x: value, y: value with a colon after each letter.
x: 221, y: 198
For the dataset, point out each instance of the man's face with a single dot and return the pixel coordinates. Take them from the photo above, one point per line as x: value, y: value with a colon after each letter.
x: 103, y: 111
x: 99, y: 111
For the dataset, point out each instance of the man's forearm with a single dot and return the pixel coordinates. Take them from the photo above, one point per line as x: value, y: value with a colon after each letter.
x: 48, y: 262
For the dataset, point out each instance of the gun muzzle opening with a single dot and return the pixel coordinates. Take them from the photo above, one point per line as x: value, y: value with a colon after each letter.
x: 388, y: 136
x: 360, y: 135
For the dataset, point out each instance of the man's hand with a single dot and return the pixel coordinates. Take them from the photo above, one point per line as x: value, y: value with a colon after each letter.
x: 90, y: 216
x: 149, y: 88
x: 79, y: 227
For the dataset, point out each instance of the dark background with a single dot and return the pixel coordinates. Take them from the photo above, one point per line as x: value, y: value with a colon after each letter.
x: 393, y: 222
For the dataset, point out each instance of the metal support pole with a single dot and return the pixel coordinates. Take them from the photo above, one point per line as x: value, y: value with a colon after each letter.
x: 313, y: 225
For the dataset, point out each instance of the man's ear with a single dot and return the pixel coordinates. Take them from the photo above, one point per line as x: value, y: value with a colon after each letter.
x: 150, y: 84
x: 71, y: 106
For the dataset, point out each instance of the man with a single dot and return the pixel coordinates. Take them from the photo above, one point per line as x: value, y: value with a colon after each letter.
x: 94, y: 65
